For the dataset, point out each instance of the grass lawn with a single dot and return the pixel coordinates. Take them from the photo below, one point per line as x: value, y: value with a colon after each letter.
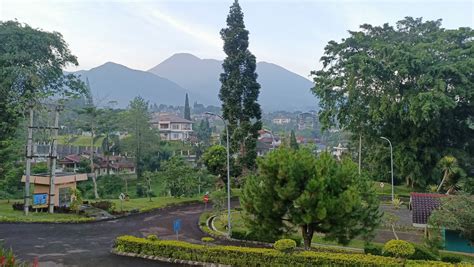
x: 400, y: 190
x: 7, y: 214
x: 236, y: 219
x: 144, y: 204
x: 79, y: 140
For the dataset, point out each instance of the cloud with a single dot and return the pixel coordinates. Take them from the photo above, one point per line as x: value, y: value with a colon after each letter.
x: 155, y: 16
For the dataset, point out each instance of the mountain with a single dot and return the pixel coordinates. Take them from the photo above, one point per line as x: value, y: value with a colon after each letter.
x: 281, y: 89
x: 115, y: 82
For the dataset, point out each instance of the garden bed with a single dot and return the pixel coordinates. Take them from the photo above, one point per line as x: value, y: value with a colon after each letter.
x: 175, y: 251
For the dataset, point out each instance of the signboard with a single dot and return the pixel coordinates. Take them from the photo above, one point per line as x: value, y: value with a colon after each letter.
x: 177, y: 227
x: 40, y: 200
x: 206, y: 198
x: 122, y: 196
x: 382, y: 185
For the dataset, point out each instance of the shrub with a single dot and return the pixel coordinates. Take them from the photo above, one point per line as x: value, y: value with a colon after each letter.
x: 285, y: 245
x: 451, y: 259
x: 422, y: 253
x: 373, y: 249
x: 398, y: 248
x: 207, y: 239
x: 245, y: 256
x: 152, y: 238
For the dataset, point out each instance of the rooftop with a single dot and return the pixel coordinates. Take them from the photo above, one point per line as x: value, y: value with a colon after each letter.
x: 167, y: 117
x: 423, y: 204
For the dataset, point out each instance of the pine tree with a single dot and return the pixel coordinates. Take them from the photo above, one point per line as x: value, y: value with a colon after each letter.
x: 293, y: 142
x: 187, y: 110
x: 240, y: 89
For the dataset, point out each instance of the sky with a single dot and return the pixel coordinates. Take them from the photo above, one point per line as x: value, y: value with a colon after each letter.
x: 142, y: 33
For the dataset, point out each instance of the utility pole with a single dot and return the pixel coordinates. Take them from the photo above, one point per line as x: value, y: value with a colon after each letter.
x: 29, y: 156
x: 54, y: 156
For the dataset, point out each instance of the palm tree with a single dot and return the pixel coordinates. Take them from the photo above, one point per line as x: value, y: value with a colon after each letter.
x: 451, y: 173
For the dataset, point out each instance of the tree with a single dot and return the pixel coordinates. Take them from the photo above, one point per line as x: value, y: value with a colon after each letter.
x: 412, y: 84
x: 293, y: 142
x: 240, y: 89
x: 293, y: 188
x: 144, y: 140
x: 452, y: 174
x: 179, y: 178
x: 204, y: 132
x: 31, y: 72
x: 187, y: 109
x: 456, y: 214
x: 215, y: 160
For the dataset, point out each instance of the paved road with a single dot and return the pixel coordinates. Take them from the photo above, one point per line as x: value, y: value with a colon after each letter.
x: 89, y: 244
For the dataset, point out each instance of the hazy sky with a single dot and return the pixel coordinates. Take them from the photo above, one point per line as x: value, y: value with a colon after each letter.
x: 291, y: 33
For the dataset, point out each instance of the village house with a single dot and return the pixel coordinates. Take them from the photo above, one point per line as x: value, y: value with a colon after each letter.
x: 281, y: 120
x: 266, y: 142
x: 172, y: 127
x: 115, y: 164
x: 422, y: 205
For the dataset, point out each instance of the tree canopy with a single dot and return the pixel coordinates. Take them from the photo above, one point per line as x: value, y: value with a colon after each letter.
x: 240, y: 89
x: 412, y: 84
x: 294, y: 188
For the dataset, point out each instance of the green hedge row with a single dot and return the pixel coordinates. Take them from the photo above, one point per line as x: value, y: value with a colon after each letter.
x: 244, y: 256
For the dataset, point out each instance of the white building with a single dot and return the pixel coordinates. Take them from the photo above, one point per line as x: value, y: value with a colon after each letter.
x: 172, y: 127
x: 281, y: 120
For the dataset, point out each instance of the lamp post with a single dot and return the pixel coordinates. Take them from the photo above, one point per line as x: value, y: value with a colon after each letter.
x: 228, y: 171
x: 391, y: 160
x: 273, y: 138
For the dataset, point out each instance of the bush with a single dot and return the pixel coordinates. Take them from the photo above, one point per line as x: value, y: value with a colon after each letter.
x: 245, y: 256
x: 285, y: 245
x: 373, y: 249
x: 398, y: 249
x: 152, y: 238
x: 207, y: 239
x: 423, y: 253
x: 451, y: 259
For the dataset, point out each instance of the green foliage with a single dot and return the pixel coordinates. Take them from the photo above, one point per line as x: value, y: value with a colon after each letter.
x: 410, y: 83
x: 143, y: 142
x: 41, y: 167
x: 398, y: 248
x: 397, y: 203
x: 187, y: 109
x: 152, y: 237
x: 110, y: 186
x: 245, y: 256
x: 179, y: 178
x: 456, y: 214
x: 204, y: 132
x: 76, y: 202
x: 285, y: 245
x: 215, y: 160
x: 373, y: 249
x: 451, y: 259
x: 219, y: 200
x: 293, y: 142
x: 240, y: 89
x: 295, y: 188
x: 423, y: 253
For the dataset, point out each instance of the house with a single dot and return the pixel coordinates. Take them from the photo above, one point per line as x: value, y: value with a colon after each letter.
x: 117, y: 164
x: 422, y: 205
x: 63, y: 183
x: 172, y: 127
x: 70, y: 162
x: 267, y: 141
x: 281, y: 120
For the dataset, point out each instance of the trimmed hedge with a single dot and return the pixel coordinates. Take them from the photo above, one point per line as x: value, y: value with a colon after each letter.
x: 451, y: 259
x: 285, y: 245
x: 423, y: 253
x: 398, y: 248
x: 373, y: 249
x: 244, y: 256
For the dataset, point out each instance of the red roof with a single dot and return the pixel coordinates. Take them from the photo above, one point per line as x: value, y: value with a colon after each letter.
x: 74, y: 158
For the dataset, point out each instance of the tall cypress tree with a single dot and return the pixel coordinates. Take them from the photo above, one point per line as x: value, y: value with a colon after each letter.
x: 293, y: 141
x: 240, y: 89
x: 187, y: 110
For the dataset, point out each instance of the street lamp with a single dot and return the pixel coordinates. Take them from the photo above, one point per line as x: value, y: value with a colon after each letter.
x: 228, y: 171
x: 273, y: 138
x: 391, y: 160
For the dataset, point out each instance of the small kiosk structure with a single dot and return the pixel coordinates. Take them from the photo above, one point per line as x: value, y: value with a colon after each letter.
x: 63, y: 182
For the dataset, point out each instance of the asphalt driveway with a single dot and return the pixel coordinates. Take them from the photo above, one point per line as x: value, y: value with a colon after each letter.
x: 88, y: 244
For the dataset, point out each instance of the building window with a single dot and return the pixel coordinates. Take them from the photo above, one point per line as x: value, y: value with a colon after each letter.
x: 175, y: 136
x: 186, y: 126
x: 175, y: 126
x: 164, y: 126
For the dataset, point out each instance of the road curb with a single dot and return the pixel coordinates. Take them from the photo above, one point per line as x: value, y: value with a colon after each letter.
x: 168, y: 260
